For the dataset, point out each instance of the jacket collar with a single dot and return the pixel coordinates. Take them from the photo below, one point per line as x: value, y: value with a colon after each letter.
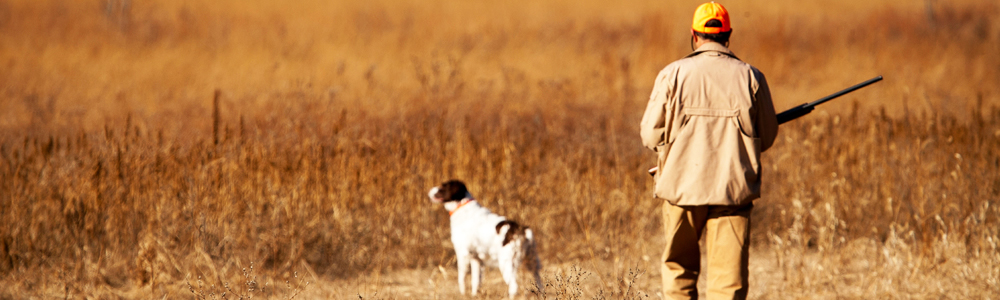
x: 713, y: 47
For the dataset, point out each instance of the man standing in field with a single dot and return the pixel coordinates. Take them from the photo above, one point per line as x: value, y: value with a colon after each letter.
x: 708, y: 119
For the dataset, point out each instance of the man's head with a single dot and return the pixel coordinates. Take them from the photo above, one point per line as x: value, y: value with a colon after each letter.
x: 711, y: 23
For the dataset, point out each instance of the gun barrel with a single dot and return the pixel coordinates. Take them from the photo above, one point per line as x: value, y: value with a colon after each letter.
x: 845, y: 91
x: 806, y: 108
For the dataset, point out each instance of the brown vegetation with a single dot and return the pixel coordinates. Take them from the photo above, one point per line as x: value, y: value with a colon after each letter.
x: 123, y: 175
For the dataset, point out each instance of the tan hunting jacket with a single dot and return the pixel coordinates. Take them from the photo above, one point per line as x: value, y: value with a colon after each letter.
x: 708, y: 119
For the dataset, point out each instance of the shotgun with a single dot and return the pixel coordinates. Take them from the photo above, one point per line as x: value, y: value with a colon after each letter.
x: 806, y: 108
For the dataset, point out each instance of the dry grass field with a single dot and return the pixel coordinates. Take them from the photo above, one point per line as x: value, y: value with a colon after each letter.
x: 228, y: 149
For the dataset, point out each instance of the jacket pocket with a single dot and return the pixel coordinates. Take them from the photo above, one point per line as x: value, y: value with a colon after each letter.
x: 661, y: 159
x: 750, y: 163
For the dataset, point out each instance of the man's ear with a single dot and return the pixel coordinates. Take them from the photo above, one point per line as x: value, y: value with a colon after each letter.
x: 693, y: 40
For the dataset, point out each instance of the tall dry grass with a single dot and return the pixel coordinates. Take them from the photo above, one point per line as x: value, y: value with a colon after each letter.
x: 125, y: 176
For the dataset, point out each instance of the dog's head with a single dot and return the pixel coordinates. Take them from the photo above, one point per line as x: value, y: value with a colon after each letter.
x: 451, y: 190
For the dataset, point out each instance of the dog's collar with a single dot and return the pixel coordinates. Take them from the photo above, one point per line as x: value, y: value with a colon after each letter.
x: 460, y: 204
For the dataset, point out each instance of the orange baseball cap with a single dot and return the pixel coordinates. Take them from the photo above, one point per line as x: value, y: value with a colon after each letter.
x: 707, y: 12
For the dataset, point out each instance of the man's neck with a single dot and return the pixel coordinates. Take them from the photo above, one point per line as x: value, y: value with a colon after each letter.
x: 701, y: 42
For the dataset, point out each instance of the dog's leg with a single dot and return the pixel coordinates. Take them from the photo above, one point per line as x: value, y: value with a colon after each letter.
x: 463, y: 269
x: 536, y: 266
x: 533, y: 262
x: 508, y: 268
x: 538, y: 278
x: 477, y: 275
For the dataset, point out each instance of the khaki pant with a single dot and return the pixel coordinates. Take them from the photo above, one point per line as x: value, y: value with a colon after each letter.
x: 727, y: 244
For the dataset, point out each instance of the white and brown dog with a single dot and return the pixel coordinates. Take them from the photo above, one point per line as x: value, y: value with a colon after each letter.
x: 481, y: 236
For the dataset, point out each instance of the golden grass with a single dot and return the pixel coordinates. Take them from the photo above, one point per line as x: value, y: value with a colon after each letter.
x: 120, y: 179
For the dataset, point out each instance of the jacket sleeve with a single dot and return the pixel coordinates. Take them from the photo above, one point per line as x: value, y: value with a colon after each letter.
x: 766, y: 119
x: 652, y: 127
